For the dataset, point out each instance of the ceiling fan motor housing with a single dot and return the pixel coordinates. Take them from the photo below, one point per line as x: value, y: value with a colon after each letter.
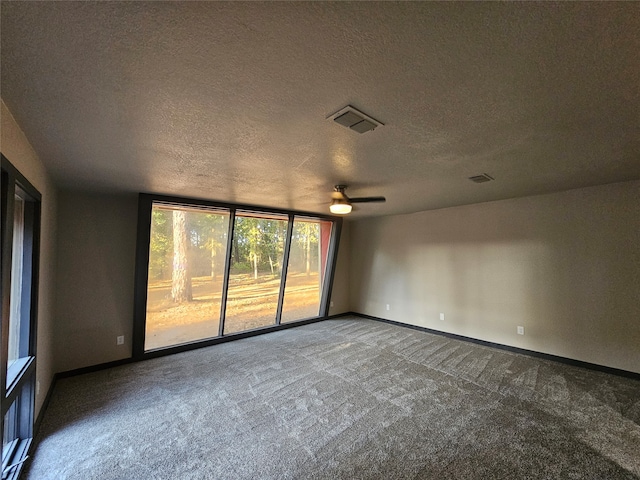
x: 341, y: 203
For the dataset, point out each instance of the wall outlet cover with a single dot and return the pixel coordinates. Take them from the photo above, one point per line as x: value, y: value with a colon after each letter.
x: 520, y: 330
x: 442, y: 316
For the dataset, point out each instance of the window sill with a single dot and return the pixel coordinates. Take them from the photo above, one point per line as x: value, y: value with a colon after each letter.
x: 14, y: 457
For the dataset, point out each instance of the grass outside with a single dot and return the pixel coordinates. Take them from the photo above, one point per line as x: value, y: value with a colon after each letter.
x: 251, y: 304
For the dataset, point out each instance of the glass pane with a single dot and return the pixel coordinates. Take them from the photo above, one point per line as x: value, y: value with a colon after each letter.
x: 256, y: 264
x: 305, y: 273
x: 10, y: 432
x: 18, y: 427
x: 186, y: 270
x: 17, y: 261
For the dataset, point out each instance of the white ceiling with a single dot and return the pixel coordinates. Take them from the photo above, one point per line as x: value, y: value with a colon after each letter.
x: 229, y: 101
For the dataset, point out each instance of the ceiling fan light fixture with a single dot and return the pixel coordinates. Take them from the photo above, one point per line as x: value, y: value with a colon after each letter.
x: 340, y: 206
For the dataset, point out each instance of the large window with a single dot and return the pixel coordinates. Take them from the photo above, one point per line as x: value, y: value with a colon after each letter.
x: 208, y: 270
x: 307, y: 267
x: 186, y: 269
x: 20, y: 236
x: 256, y: 271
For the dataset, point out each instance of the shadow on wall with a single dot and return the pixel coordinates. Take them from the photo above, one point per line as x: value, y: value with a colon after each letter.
x: 96, y: 258
x: 564, y: 266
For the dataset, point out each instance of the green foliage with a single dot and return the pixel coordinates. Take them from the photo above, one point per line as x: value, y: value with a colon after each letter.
x: 206, y: 234
x: 304, y: 249
x: 161, y: 245
x: 208, y: 240
x: 259, y: 240
x: 241, y: 267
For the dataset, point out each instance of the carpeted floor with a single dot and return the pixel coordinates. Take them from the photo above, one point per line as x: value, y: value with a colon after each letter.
x: 342, y: 399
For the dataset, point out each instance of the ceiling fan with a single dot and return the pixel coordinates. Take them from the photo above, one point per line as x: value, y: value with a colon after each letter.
x: 341, y: 204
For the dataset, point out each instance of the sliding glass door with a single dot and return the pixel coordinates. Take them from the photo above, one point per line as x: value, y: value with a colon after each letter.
x: 213, y: 270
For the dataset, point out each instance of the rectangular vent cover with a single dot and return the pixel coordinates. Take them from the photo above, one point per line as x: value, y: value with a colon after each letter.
x: 482, y: 178
x: 354, y: 119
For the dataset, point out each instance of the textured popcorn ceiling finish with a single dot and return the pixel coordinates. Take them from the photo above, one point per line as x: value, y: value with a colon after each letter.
x: 229, y: 101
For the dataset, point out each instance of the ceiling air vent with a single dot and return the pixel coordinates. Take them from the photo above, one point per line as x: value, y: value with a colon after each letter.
x: 481, y: 178
x: 354, y: 119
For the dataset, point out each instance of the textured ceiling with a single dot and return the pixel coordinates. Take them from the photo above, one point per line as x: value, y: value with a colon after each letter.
x: 229, y: 101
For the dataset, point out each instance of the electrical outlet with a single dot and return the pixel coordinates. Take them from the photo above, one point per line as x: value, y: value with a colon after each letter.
x: 331, y: 304
x: 38, y: 387
x: 388, y: 307
x: 520, y: 330
x: 442, y: 316
x: 120, y: 340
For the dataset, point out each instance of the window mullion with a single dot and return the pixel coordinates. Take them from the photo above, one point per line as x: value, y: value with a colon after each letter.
x: 8, y: 200
x: 285, y: 267
x: 332, y: 256
x: 145, y: 206
x: 227, y: 271
x: 33, y: 214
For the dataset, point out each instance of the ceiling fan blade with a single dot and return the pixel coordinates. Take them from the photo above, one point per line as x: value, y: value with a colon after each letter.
x: 367, y: 199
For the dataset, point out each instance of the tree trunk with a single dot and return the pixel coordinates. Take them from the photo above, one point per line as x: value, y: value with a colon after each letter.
x: 213, y: 254
x: 255, y: 266
x: 308, y: 252
x: 236, y: 251
x: 213, y: 261
x: 180, y: 279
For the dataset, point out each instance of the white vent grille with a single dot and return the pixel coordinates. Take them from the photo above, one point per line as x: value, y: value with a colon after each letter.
x: 354, y: 119
x: 482, y: 178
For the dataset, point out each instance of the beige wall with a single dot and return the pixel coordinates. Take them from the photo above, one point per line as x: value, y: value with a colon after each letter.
x: 564, y: 266
x: 96, y: 268
x: 96, y: 265
x: 15, y: 146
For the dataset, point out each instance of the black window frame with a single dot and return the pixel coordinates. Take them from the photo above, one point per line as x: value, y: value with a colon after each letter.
x: 145, y: 204
x: 20, y: 392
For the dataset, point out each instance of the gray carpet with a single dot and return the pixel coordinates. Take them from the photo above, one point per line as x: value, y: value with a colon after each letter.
x: 342, y: 399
